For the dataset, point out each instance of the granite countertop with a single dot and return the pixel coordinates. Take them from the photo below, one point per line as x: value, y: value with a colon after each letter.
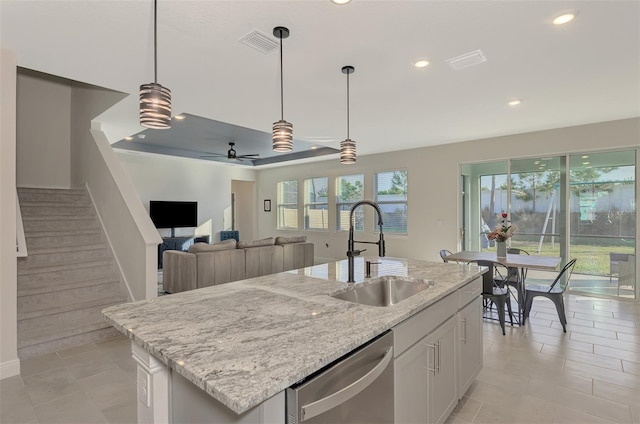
x: 245, y: 341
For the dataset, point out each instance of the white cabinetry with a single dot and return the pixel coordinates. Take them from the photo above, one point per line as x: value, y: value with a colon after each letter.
x: 469, y: 345
x: 438, y: 353
x: 442, y: 388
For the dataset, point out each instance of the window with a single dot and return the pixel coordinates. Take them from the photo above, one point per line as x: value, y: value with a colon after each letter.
x: 391, y: 195
x: 288, y: 204
x: 349, y: 189
x: 316, y: 204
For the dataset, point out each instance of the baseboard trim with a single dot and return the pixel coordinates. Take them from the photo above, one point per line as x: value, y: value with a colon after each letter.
x: 9, y: 369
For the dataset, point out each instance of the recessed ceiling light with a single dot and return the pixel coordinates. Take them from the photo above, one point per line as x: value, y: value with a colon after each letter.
x: 129, y: 138
x: 585, y: 156
x: 565, y: 17
x: 514, y: 102
x: 586, y: 163
x: 179, y: 117
x: 536, y: 162
x: 340, y: 1
x: 421, y: 63
x: 314, y: 147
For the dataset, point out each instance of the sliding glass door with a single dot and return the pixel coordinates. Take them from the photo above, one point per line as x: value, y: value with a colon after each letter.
x: 577, y: 206
x: 602, y: 190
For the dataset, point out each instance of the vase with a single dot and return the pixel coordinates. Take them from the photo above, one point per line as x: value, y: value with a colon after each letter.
x: 502, y: 249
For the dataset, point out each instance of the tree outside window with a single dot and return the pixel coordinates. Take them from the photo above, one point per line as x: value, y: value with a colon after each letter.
x: 392, y: 197
x: 349, y: 189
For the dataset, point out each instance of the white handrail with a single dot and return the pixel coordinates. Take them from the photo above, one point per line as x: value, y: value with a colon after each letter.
x: 21, y: 242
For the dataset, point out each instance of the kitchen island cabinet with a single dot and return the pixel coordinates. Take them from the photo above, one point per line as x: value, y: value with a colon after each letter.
x: 437, y: 349
x: 228, y: 352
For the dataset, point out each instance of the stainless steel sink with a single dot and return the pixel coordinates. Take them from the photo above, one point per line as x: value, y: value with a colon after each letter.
x: 383, y: 291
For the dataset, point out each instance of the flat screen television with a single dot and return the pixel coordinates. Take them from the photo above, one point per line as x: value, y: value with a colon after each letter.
x: 166, y: 214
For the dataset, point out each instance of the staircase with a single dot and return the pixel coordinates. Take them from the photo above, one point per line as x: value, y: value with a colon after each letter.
x: 69, y: 275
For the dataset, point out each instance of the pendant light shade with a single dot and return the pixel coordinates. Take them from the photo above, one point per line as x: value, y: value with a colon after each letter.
x: 348, y: 146
x: 282, y: 130
x: 155, y: 100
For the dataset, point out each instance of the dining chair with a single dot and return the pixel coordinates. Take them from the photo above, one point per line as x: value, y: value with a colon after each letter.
x: 443, y: 253
x: 554, y: 292
x: 492, y: 293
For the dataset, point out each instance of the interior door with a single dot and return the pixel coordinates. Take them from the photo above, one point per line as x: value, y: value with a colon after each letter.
x: 244, y: 208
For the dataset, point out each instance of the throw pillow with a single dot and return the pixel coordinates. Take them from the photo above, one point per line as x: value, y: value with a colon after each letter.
x: 205, y: 247
x: 287, y: 240
x: 269, y: 241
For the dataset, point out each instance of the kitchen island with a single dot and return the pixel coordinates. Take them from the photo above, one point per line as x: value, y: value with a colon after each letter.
x: 243, y: 343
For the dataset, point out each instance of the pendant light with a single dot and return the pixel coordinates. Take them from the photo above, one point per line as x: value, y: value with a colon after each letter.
x: 348, y: 146
x: 282, y: 130
x: 155, y: 100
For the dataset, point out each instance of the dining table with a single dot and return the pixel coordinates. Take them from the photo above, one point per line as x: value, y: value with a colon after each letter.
x: 517, y: 261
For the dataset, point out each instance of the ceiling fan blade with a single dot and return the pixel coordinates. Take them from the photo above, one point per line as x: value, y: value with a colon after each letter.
x: 213, y: 155
x: 251, y: 156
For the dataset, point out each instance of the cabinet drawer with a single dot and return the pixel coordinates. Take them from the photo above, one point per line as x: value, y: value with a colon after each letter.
x: 469, y: 292
x: 413, y: 329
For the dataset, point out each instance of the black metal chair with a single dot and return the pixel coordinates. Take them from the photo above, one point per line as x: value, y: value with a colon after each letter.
x: 492, y: 293
x: 554, y: 292
x: 443, y: 253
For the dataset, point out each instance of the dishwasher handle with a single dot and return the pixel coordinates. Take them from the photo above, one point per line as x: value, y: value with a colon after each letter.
x: 329, y: 402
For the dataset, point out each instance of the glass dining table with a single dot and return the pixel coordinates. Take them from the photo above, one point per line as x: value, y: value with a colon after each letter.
x: 520, y: 262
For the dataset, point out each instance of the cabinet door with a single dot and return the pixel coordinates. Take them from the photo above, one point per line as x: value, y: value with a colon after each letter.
x: 469, y: 345
x: 410, y: 378
x: 442, y: 394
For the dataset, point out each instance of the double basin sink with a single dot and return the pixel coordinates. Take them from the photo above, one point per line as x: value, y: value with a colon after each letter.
x: 383, y: 291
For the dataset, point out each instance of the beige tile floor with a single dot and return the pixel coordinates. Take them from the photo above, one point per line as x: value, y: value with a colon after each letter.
x: 534, y: 374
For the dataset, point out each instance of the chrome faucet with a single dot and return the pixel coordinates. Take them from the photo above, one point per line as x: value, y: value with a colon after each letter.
x: 352, y: 252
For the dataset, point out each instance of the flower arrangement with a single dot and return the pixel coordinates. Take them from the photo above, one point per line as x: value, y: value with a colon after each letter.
x: 504, y: 230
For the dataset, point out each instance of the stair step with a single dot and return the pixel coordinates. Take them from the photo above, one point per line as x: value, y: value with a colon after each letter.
x: 92, y: 245
x: 64, y: 267
x: 50, y: 327
x: 68, y: 196
x: 67, y: 342
x: 76, y: 223
x: 67, y: 238
x: 47, y: 209
x: 48, y: 285
x: 37, y: 261
x: 61, y: 302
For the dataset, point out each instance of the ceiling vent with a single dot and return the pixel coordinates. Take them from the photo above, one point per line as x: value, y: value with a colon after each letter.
x: 466, y: 60
x: 260, y: 41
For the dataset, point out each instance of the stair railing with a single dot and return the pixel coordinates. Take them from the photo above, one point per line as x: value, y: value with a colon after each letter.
x: 21, y: 242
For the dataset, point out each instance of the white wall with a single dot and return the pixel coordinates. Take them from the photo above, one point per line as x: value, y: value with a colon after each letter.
x: 158, y: 177
x: 44, y: 131
x: 434, y: 187
x: 9, y: 363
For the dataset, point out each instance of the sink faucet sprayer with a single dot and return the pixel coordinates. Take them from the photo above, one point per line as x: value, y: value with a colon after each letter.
x: 352, y: 252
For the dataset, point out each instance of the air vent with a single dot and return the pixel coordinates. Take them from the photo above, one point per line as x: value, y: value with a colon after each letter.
x: 260, y: 41
x: 466, y: 60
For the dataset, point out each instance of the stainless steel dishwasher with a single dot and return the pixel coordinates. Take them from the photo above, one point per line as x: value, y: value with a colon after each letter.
x: 357, y: 388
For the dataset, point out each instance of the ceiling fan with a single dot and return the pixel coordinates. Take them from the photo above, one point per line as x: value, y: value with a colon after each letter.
x: 232, y: 154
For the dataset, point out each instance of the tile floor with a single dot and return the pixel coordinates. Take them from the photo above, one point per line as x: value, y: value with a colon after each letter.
x: 534, y: 374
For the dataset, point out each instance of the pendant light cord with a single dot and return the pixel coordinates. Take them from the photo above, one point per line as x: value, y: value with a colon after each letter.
x: 281, y: 82
x: 155, y: 41
x: 347, y: 105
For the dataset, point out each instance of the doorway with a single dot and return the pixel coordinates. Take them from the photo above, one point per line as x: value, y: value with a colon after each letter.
x: 243, y: 208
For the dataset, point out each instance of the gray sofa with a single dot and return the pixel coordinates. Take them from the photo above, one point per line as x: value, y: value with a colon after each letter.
x: 210, y: 264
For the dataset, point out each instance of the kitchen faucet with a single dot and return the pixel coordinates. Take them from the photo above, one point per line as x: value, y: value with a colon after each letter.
x: 352, y: 252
